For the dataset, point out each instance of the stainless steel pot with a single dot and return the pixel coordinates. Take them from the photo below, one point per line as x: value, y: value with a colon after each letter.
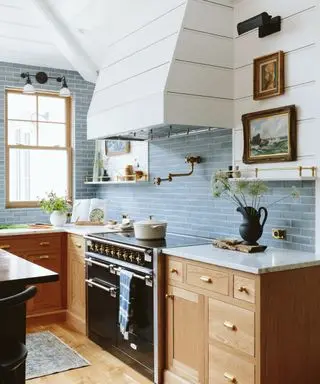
x: 150, y: 229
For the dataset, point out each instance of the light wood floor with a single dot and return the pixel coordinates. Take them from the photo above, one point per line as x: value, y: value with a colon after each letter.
x: 104, y: 368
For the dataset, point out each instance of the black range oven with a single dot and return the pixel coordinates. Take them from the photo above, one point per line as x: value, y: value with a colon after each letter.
x: 103, y: 265
x: 106, y: 255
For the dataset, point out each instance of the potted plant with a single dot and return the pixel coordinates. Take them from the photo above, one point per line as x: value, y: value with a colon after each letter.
x: 246, y: 195
x: 57, y: 207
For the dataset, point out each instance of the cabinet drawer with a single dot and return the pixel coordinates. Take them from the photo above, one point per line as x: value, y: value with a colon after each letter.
x: 206, y: 278
x: 24, y: 245
x: 228, y: 368
x: 175, y: 270
x: 232, y: 326
x: 76, y: 243
x: 244, y: 289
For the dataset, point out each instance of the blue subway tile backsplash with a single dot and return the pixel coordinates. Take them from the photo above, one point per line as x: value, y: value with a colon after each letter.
x: 83, y: 150
x: 187, y: 203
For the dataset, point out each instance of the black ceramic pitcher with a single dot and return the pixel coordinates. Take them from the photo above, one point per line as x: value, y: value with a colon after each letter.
x: 251, y: 229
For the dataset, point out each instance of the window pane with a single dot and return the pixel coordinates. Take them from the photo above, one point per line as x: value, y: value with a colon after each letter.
x: 52, y: 134
x: 23, y: 107
x: 34, y: 172
x: 20, y: 132
x: 52, y: 109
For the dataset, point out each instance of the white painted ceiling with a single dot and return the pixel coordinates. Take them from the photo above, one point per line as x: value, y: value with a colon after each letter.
x: 24, y: 36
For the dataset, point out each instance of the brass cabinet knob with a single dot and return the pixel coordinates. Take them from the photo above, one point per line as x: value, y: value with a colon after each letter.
x: 44, y: 243
x: 169, y: 296
x: 78, y: 245
x: 243, y: 289
x: 230, y: 378
x: 230, y: 326
x: 206, y: 279
x: 174, y: 270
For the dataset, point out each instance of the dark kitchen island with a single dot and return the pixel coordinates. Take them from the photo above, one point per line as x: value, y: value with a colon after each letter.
x: 15, y: 274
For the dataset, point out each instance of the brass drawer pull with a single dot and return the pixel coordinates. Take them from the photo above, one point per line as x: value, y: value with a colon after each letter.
x: 243, y: 289
x: 229, y: 325
x: 206, y: 279
x: 230, y: 378
x: 5, y: 246
x: 44, y: 243
x: 174, y: 270
x: 169, y: 296
x: 41, y: 257
x: 78, y: 245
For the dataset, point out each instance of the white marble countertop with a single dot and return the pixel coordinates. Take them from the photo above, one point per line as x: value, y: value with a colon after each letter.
x: 272, y: 260
x: 69, y: 228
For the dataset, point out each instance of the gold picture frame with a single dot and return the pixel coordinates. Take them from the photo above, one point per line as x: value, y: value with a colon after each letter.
x: 270, y: 136
x: 268, y: 76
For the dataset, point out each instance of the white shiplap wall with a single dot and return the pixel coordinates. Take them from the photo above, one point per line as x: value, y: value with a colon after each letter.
x: 298, y: 40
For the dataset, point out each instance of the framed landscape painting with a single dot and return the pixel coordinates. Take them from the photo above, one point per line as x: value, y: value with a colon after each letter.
x: 117, y: 147
x: 270, y: 136
x: 268, y: 77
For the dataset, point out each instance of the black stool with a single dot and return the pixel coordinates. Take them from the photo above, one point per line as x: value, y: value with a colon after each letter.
x: 13, y: 353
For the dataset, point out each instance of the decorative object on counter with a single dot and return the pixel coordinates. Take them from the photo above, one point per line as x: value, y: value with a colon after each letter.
x: 150, y: 229
x: 268, y: 76
x: 105, y: 176
x: 190, y: 160
x: 117, y: 147
x: 97, y: 210
x: 42, y: 78
x: 237, y: 245
x: 57, y: 207
x: 270, y: 136
x: 266, y: 23
x: 246, y: 195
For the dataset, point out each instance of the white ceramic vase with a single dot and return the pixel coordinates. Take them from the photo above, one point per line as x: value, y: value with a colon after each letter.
x: 58, y: 219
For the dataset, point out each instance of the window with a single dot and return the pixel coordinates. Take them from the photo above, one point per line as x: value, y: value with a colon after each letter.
x: 38, y: 147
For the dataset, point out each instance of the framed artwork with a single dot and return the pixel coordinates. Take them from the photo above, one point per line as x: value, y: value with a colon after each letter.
x: 270, y: 136
x: 268, y: 77
x: 117, y: 147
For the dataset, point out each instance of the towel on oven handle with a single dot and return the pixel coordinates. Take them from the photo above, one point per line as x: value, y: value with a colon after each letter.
x: 125, y: 302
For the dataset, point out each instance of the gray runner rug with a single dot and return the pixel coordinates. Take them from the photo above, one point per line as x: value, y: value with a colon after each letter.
x: 47, y: 355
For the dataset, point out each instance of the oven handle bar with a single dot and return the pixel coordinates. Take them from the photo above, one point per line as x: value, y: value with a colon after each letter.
x: 144, y: 278
x: 109, y: 242
x: 117, y: 270
x: 87, y: 260
x: 90, y: 282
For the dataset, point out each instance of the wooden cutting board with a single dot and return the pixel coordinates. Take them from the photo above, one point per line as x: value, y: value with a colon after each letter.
x: 237, y: 245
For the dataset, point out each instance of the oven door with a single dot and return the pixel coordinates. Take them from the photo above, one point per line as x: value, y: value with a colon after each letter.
x: 102, y: 304
x: 139, y: 344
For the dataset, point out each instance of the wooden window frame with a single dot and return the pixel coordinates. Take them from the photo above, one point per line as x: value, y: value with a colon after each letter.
x: 68, y: 148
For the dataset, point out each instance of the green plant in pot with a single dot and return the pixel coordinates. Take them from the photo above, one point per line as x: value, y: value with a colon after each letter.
x: 246, y: 195
x: 57, y: 207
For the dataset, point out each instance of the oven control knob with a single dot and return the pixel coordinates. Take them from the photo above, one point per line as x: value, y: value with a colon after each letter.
x: 131, y: 257
x: 102, y: 249
x: 119, y: 254
x: 138, y: 259
x: 113, y: 252
x: 125, y: 256
x: 106, y: 250
x: 96, y: 247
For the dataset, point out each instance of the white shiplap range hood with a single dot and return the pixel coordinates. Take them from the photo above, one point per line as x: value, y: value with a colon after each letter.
x: 174, y: 69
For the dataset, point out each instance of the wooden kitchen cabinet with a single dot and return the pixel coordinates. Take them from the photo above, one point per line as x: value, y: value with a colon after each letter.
x: 76, y: 308
x: 228, y: 326
x: 46, y: 250
x: 185, y: 333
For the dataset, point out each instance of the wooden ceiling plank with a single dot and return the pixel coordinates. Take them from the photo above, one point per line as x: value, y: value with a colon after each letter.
x: 67, y: 43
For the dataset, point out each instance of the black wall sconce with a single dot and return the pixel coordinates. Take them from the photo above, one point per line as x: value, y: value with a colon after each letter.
x: 267, y: 24
x: 42, y: 78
